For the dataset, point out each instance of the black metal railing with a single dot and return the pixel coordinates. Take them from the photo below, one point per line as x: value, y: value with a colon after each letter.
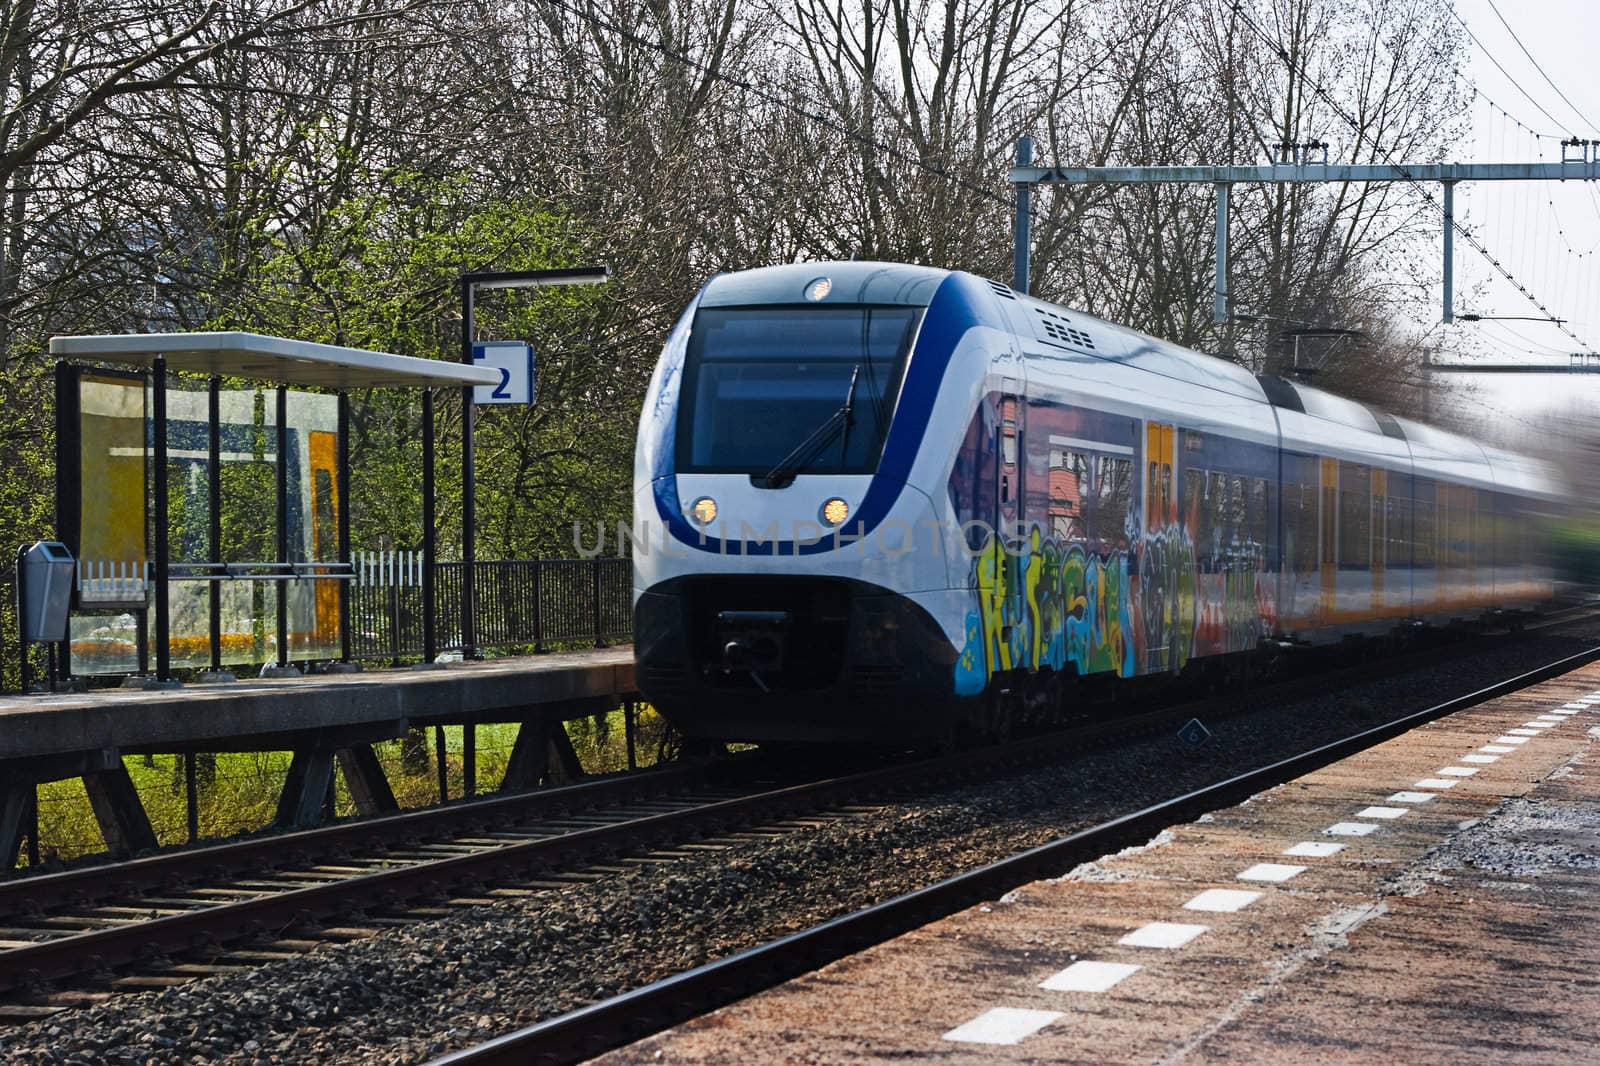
x: 522, y: 603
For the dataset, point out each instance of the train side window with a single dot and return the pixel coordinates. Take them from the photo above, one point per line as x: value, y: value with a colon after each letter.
x: 1191, y: 511
x: 1260, y: 501
x: 1397, y: 536
x: 1113, y: 494
x: 1424, y: 532
x: 1070, y: 494
x: 1305, y: 518
x: 1237, y: 527
x: 1355, y: 516
x: 1215, y: 502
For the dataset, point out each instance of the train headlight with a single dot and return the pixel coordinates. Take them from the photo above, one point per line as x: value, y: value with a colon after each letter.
x: 704, y: 510
x: 834, y: 512
x: 818, y: 289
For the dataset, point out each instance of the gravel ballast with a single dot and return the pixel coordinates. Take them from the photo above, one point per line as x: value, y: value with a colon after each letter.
x: 455, y: 981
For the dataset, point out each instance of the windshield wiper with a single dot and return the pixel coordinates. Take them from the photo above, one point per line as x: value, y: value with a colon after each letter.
x: 782, y: 475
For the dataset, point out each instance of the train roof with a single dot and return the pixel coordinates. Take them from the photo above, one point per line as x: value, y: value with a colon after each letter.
x: 1063, y: 328
x: 852, y: 282
x: 1435, y: 450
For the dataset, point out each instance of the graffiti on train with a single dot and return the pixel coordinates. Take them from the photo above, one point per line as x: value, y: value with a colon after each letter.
x: 1044, y: 603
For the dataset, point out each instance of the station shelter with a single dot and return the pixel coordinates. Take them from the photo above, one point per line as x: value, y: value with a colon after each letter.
x: 203, y: 488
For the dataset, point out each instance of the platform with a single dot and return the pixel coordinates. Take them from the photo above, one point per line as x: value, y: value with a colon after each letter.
x: 1436, y: 898
x: 489, y: 691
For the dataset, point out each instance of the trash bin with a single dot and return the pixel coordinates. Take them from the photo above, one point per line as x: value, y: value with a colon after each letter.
x: 44, y: 590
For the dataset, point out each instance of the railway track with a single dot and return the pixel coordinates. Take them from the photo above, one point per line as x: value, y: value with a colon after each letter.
x: 80, y: 936
x: 611, y: 1023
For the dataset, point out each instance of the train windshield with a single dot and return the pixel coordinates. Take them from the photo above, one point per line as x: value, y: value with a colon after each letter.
x: 758, y: 382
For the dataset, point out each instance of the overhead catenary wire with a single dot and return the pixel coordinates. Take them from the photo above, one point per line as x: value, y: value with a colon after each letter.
x: 1515, y: 83
x: 1537, y: 66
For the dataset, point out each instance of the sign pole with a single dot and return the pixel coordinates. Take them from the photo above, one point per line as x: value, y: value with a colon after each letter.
x: 469, y: 489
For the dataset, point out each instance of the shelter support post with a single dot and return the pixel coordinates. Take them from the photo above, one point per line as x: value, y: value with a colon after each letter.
x: 158, y: 385
x: 342, y: 495
x: 69, y: 478
x: 214, y: 514
x: 283, y: 524
x: 430, y: 546
x: 1219, y: 292
x: 1449, y: 249
x: 1023, y: 235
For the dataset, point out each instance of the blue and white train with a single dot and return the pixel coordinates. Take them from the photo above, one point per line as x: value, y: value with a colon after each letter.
x: 879, y: 501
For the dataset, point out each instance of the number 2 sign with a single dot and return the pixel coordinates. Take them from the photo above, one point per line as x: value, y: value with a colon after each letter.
x: 514, y: 360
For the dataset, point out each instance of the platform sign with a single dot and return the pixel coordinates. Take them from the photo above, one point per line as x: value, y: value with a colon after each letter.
x: 514, y: 360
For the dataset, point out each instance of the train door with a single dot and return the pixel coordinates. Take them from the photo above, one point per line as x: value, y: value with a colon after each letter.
x: 1329, y: 558
x: 1008, y: 509
x: 1380, y: 542
x: 1158, y: 571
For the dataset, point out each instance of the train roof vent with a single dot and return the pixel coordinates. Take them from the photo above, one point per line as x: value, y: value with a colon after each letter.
x: 1059, y: 328
x: 1002, y: 291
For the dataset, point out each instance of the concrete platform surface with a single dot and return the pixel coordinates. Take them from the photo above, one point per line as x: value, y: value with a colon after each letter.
x: 1434, y: 899
x: 127, y: 719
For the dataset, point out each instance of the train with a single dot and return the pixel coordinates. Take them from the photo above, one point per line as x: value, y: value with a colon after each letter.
x: 888, y: 502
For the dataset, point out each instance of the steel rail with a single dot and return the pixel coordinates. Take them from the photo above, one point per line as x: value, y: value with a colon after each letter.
x: 210, y: 926
x: 97, y: 949
x: 87, y: 885
x: 610, y: 1023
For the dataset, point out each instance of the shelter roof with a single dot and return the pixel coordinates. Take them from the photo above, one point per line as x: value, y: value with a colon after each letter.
x: 275, y: 359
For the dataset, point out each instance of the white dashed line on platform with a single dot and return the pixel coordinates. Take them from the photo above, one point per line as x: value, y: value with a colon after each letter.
x: 1089, y: 976
x: 1165, y: 935
x: 1525, y: 733
x: 1536, y: 724
x: 1381, y: 812
x: 1498, y: 749
x: 1457, y: 771
x: 1435, y: 782
x: 1222, y: 900
x: 1315, y: 849
x: 1350, y: 829
x: 1510, y: 740
x: 1002, y: 1025
x: 1475, y: 757
x: 1270, y: 871
x: 1409, y: 797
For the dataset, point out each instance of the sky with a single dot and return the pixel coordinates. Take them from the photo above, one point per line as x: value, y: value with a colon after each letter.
x: 1546, y: 234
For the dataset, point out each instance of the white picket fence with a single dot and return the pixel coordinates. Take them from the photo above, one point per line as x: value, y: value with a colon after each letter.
x: 389, y: 568
x: 113, y: 581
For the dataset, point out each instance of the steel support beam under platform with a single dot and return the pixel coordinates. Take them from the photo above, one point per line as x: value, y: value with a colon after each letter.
x: 305, y: 790
x: 123, y: 821
x: 542, y: 755
x: 364, y: 777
